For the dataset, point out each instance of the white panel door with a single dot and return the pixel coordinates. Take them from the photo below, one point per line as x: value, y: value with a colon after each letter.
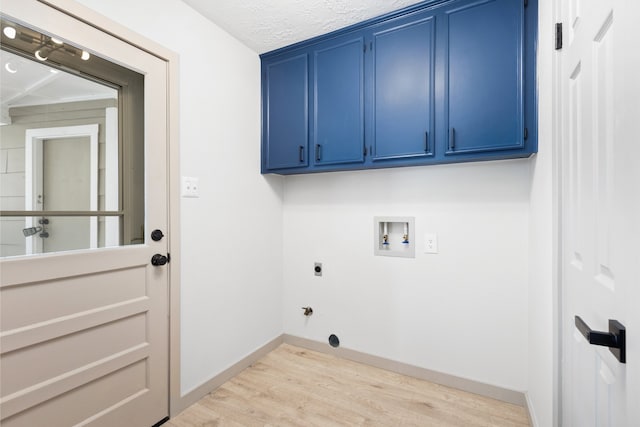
x: 84, y: 334
x: 600, y: 176
x: 67, y: 186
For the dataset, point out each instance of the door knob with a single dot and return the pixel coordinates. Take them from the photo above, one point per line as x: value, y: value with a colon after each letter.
x: 159, y: 259
x: 615, y: 339
x: 156, y: 235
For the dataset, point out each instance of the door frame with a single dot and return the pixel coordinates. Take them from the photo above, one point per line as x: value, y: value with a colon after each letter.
x: 557, y: 231
x: 93, y: 18
x: 549, y: 113
x: 33, y: 178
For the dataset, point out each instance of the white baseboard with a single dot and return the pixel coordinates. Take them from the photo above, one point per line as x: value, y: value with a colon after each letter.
x: 207, y: 387
x: 494, y: 392
x: 532, y: 415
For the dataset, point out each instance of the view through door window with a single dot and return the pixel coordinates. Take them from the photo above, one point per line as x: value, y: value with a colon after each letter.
x: 71, y: 147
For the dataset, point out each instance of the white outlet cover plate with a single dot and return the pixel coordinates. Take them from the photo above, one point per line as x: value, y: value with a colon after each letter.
x: 430, y: 243
x: 190, y: 187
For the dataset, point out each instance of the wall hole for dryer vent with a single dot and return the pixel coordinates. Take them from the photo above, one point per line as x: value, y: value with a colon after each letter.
x: 334, y: 341
x: 394, y: 236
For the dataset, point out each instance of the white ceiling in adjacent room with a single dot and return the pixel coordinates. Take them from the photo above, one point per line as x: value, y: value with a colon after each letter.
x: 265, y: 25
x: 28, y: 82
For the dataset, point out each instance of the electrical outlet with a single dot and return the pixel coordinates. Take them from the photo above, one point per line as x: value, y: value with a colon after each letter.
x: 430, y: 243
x: 190, y: 187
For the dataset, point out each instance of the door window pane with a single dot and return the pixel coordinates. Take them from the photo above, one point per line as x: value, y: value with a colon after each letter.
x: 46, y: 234
x: 71, y: 143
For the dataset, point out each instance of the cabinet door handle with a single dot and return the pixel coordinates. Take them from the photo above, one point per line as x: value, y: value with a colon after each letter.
x: 301, y: 154
x: 426, y: 142
x: 452, y: 139
x: 318, y: 152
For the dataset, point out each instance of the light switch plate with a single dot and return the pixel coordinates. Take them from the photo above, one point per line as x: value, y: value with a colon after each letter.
x: 190, y: 187
x: 430, y: 243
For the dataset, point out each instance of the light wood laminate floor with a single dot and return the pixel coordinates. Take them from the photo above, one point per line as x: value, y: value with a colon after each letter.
x: 292, y: 386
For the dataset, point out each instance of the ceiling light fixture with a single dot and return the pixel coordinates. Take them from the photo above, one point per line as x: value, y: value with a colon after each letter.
x: 85, y: 55
x: 39, y: 56
x: 9, y: 32
x: 9, y: 68
x: 56, y: 41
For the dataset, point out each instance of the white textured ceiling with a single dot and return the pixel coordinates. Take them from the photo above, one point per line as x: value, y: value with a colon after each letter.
x: 265, y: 25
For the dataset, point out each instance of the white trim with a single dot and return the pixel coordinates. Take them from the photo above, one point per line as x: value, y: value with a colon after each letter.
x: 111, y: 174
x: 556, y: 182
x: 530, y: 411
x: 33, y: 173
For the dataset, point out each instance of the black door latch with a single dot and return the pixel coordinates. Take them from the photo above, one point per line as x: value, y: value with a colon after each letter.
x: 615, y: 339
x: 159, y: 259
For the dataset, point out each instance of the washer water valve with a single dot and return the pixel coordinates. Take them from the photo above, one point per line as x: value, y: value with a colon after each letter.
x: 308, y: 311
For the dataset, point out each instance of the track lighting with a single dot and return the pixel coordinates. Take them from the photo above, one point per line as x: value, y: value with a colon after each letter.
x: 10, y: 32
x: 39, y: 55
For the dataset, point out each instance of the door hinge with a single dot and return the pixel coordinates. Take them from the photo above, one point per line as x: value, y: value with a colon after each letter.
x: 526, y: 3
x: 364, y: 47
x: 364, y: 151
x: 526, y: 133
x: 558, y: 35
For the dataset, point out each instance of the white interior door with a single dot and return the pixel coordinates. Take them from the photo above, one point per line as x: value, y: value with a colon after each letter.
x: 67, y: 185
x: 84, y: 334
x: 600, y: 175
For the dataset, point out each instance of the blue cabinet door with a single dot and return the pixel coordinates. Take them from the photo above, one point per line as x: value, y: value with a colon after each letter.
x: 403, y: 89
x: 484, y: 79
x: 338, y: 102
x: 438, y: 82
x: 286, y: 112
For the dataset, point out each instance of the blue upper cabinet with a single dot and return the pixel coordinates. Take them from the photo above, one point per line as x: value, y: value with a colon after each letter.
x: 338, y: 101
x: 437, y: 82
x: 484, y: 83
x: 285, y: 112
x: 402, y: 104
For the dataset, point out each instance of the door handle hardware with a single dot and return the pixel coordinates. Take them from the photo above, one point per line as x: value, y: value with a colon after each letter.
x: 615, y: 339
x: 318, y: 152
x: 159, y: 260
x: 426, y: 142
x: 301, y: 153
x: 156, y: 235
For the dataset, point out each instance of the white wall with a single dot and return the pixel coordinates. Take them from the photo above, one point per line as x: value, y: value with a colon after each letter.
x: 12, y: 189
x: 542, y: 287
x: 231, y: 285
x: 462, y: 312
